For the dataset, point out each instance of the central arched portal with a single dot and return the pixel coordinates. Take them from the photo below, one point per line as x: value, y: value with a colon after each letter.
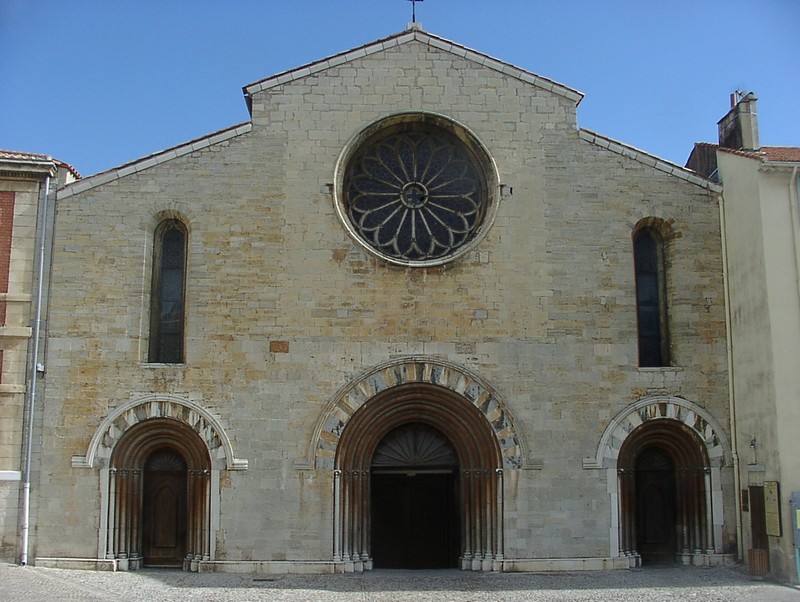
x: 418, y: 483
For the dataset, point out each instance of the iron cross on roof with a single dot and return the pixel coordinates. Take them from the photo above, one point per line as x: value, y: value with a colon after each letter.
x: 414, y: 10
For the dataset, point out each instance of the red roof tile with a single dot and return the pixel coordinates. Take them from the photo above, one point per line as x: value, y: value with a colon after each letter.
x: 781, y: 153
x: 742, y: 153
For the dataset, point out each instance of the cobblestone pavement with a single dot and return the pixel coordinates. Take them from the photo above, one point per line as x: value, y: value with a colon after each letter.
x: 27, y: 584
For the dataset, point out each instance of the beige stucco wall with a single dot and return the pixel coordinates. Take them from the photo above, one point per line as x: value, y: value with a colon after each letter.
x: 765, y: 306
x: 543, y: 309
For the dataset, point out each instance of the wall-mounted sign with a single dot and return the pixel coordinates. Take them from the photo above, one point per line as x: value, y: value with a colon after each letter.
x: 772, y: 508
x: 795, y: 501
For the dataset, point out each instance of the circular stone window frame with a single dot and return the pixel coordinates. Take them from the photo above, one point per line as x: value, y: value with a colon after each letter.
x: 461, y: 132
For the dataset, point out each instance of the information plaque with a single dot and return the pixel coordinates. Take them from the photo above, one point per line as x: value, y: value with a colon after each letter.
x: 772, y: 508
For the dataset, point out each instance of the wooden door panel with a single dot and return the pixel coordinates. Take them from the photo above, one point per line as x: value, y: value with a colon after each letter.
x: 164, y: 519
x: 656, y: 516
x: 414, y: 521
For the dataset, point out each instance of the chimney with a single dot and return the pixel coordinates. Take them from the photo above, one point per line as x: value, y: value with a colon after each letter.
x: 739, y: 128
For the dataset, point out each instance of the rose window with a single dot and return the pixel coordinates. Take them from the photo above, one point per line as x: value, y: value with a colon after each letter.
x: 414, y: 194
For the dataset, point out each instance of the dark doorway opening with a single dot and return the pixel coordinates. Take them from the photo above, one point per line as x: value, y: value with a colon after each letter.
x: 415, y: 521
x: 164, y: 510
x: 758, y: 521
x: 656, y: 507
x: 414, y: 500
x: 758, y: 554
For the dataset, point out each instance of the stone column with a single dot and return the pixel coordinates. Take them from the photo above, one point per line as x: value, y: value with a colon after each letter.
x: 337, y: 517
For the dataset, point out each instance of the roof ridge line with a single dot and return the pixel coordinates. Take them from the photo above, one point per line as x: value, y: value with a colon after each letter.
x: 154, y: 159
x: 646, y: 158
x: 401, y: 38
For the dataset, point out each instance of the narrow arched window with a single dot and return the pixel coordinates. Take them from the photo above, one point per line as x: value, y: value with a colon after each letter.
x: 167, y: 300
x: 648, y: 252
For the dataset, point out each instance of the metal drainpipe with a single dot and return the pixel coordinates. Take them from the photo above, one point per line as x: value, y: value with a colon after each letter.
x: 26, y: 479
x: 793, y: 210
x: 731, y: 389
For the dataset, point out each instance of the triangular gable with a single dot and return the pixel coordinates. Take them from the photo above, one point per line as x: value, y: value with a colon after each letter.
x: 673, y: 169
x: 414, y: 34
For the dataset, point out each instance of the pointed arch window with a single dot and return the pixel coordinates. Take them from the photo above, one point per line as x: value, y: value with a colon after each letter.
x: 651, y: 310
x: 167, y: 298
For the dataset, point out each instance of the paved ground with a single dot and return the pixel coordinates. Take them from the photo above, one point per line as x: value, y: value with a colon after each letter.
x: 28, y: 584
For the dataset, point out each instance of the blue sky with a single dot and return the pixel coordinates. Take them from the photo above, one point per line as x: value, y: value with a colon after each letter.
x: 101, y: 83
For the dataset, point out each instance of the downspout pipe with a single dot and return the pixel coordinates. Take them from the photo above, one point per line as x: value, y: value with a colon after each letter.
x: 731, y: 387
x: 34, y: 371
x: 794, y: 210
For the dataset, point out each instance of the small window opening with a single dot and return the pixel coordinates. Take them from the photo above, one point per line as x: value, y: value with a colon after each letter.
x: 650, y: 295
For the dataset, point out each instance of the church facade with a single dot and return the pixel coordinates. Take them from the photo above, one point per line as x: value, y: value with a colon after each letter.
x: 409, y: 315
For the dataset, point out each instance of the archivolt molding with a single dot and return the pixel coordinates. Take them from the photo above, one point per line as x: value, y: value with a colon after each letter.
x: 157, y: 405
x: 660, y: 407
x: 422, y: 370
x: 174, y: 211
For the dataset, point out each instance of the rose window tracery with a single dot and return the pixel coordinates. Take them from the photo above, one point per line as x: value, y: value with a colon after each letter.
x: 415, y: 193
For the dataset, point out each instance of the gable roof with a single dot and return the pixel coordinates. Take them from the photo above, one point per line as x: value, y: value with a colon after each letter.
x: 703, y: 158
x: 409, y: 35
x: 782, y: 154
x: 154, y: 159
x: 414, y: 33
x: 646, y: 158
x: 775, y: 154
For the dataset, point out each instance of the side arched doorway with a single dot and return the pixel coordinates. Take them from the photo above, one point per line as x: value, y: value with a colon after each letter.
x: 422, y: 456
x: 159, y: 496
x: 664, y: 489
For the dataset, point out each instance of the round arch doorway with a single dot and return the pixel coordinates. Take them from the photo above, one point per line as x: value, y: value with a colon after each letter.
x: 664, y: 493
x: 159, y: 484
x: 414, y: 500
x: 475, y: 480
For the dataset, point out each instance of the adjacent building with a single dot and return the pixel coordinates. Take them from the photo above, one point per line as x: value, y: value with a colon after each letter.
x: 408, y: 315
x: 26, y: 180
x: 762, y: 241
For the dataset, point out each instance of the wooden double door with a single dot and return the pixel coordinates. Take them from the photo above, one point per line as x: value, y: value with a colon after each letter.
x: 415, y: 521
x: 656, y: 515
